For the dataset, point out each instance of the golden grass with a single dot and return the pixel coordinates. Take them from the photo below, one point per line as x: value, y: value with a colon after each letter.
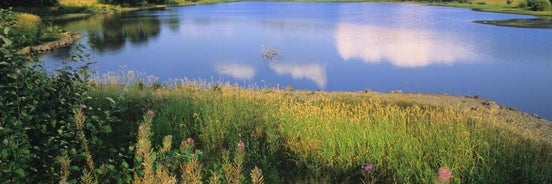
x: 78, y: 3
x: 28, y: 22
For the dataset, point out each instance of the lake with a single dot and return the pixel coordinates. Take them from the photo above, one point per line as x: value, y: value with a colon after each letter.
x: 328, y: 46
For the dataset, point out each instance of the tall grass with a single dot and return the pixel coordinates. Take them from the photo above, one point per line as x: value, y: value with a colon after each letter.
x: 321, y: 137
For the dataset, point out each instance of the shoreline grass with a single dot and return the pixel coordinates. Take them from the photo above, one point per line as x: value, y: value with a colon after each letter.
x: 317, y: 137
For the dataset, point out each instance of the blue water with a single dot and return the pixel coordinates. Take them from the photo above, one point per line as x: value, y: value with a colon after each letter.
x: 329, y: 46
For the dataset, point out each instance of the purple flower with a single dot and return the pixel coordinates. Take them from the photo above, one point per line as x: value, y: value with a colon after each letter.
x: 241, y: 146
x: 367, y: 168
x: 150, y: 112
x: 444, y: 175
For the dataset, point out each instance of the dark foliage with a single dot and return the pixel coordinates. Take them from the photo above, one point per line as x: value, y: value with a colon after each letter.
x: 27, y: 3
x: 133, y: 2
x: 536, y: 5
x: 37, y: 122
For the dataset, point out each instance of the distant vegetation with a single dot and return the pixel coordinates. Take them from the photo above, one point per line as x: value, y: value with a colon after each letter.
x: 536, y: 5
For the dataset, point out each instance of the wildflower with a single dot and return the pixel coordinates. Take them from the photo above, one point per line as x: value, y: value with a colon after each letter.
x: 367, y: 168
x: 141, y: 127
x: 150, y: 112
x: 189, y: 140
x: 82, y: 106
x: 241, y: 146
x: 444, y: 175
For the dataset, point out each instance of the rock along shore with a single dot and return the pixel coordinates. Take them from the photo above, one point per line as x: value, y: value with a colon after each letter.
x: 67, y: 39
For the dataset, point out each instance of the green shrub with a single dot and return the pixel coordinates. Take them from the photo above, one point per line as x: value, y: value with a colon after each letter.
x: 522, y: 4
x: 29, y: 30
x: 537, y: 5
x: 36, y: 120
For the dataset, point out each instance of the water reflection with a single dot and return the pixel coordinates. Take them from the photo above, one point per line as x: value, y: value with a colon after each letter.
x: 236, y: 71
x: 401, y: 47
x: 173, y: 23
x: 310, y: 71
x: 112, y: 32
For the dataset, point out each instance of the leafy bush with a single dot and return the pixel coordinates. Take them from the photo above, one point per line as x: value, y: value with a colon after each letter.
x: 36, y: 121
x: 27, y: 29
x: 536, y: 5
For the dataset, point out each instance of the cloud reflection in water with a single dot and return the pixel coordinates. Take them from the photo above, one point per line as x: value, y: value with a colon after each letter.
x: 310, y: 71
x: 401, y: 46
x: 237, y: 71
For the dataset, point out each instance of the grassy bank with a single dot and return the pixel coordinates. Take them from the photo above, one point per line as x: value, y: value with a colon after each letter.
x: 75, y: 9
x: 499, y: 6
x: 323, y: 137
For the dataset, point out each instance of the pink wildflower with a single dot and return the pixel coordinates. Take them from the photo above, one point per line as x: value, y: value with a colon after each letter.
x: 444, y: 175
x: 150, y: 112
x: 141, y: 127
x: 241, y: 146
x: 189, y: 140
x: 367, y: 168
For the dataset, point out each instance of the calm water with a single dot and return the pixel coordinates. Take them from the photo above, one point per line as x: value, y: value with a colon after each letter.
x: 330, y: 46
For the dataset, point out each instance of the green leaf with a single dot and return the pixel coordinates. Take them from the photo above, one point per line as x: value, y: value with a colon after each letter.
x: 128, y: 179
x: 20, y: 172
x: 124, y: 164
x: 111, y: 168
x: 7, y: 42
x: 99, y: 171
x: 6, y: 30
x: 107, y: 129
x: 111, y: 100
x: 74, y: 168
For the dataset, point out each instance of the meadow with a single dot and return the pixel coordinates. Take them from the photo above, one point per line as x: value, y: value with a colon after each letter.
x: 325, y: 137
